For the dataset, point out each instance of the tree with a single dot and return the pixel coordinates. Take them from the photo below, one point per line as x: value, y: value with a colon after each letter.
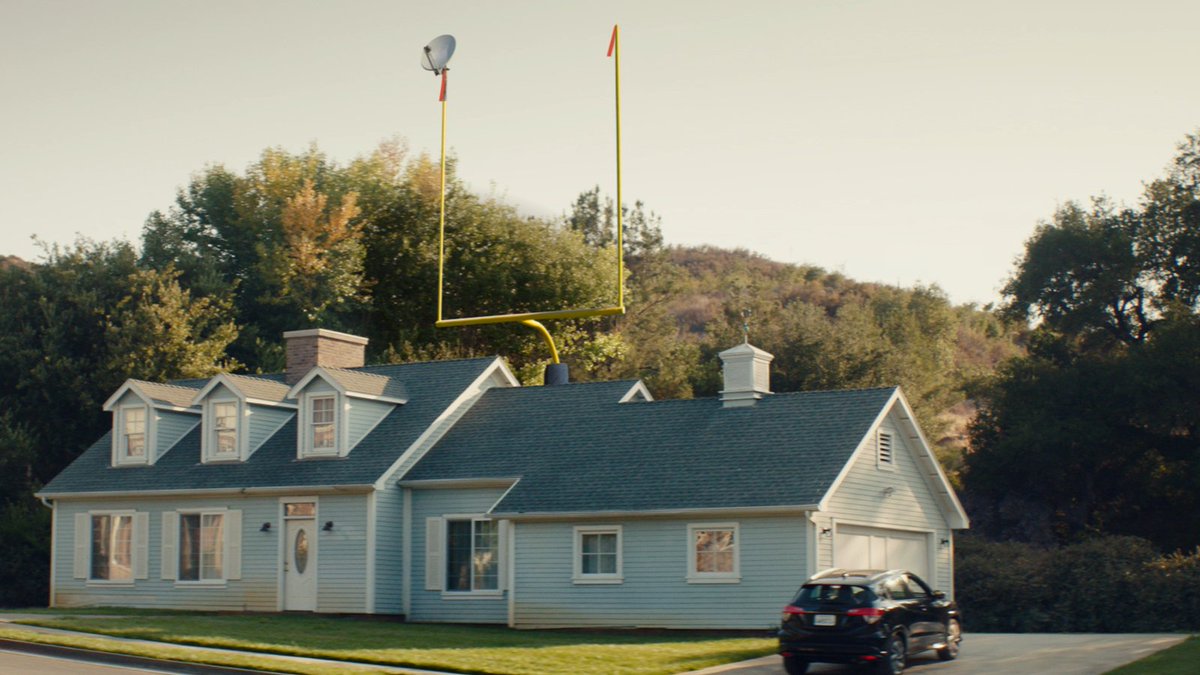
x: 1095, y: 430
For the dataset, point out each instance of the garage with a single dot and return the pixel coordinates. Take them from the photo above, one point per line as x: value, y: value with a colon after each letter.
x: 858, y: 547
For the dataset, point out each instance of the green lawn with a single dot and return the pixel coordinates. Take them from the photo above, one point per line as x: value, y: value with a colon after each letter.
x: 468, y: 649
x: 1182, y: 659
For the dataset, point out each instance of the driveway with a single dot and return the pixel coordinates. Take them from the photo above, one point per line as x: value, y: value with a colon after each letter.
x: 1027, y: 654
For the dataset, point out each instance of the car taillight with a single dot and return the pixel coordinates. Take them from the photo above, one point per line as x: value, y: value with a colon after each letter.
x: 869, y: 614
x: 791, y: 610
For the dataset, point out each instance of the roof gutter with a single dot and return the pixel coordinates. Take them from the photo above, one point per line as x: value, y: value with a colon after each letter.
x: 251, y: 491
x: 656, y: 513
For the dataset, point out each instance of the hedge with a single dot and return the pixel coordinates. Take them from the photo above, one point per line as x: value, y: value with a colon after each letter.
x: 1107, y: 584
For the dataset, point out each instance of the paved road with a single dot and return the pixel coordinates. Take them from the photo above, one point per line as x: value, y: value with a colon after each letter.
x: 1060, y: 654
x: 16, y: 663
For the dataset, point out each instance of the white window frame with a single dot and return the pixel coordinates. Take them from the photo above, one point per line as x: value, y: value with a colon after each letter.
x: 890, y: 464
x: 501, y: 568
x: 306, y: 426
x: 210, y: 443
x: 578, y: 576
x: 133, y: 546
x: 695, y: 576
x: 226, y: 549
x: 120, y: 440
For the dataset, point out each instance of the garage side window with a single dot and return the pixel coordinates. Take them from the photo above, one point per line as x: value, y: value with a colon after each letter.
x: 472, y: 555
x: 713, y: 553
x: 598, y: 554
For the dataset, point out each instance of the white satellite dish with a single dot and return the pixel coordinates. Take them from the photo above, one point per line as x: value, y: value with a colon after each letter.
x: 437, y: 53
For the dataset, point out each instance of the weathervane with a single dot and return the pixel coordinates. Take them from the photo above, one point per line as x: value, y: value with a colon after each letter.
x: 746, y: 314
x: 434, y: 58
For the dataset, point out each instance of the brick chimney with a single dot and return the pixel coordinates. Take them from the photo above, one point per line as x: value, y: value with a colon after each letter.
x: 307, y: 349
x: 747, y: 371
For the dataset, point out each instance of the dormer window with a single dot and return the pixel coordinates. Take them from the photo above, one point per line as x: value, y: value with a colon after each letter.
x: 324, y: 423
x: 133, y: 433
x: 225, y: 429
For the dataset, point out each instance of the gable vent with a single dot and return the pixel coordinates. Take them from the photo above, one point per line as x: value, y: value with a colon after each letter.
x: 885, y: 448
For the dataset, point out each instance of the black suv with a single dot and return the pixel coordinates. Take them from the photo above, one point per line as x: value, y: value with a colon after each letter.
x: 869, y: 617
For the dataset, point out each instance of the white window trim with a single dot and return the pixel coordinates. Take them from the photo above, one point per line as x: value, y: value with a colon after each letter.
x: 133, y: 545
x: 501, y: 567
x: 879, y: 463
x: 339, y: 425
x: 696, y: 577
x: 225, y: 547
x: 121, y: 456
x: 208, y: 440
x: 577, y: 574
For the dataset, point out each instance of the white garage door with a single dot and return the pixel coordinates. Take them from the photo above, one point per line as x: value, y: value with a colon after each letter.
x: 856, y: 547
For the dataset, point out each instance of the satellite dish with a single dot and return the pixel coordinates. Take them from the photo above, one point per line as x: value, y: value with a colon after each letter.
x: 437, y: 53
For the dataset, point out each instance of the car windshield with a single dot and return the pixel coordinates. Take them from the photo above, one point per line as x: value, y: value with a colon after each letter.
x: 846, y: 595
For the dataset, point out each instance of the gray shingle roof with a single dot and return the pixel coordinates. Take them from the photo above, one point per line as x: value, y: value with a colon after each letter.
x: 359, y: 382
x: 264, y: 388
x: 172, y: 394
x: 576, y: 449
x: 433, y: 387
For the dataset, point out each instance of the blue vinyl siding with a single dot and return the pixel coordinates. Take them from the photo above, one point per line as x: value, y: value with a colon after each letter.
x: 436, y: 605
x: 389, y: 550
x: 655, y: 591
x: 363, y: 416
x: 264, y: 422
x: 172, y: 426
x: 257, y: 590
x: 341, y: 556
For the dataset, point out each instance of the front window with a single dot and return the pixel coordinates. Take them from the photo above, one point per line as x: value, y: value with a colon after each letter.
x: 713, y: 555
x: 472, y: 555
x: 323, y: 423
x: 598, y: 554
x: 201, y: 546
x: 225, y: 428
x: 134, y: 433
x: 112, y: 548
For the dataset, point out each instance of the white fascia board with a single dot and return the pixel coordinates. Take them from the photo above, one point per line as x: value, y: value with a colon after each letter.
x: 372, y: 397
x: 270, y: 490
x: 472, y: 390
x: 130, y: 385
x: 219, y: 379
x: 317, y: 371
x: 452, y: 483
x: 273, y: 404
x: 659, y: 513
x: 870, y: 433
x: 638, y: 388
x: 952, y: 510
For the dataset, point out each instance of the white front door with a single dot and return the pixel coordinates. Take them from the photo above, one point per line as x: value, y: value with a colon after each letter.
x: 876, y: 548
x: 300, y: 565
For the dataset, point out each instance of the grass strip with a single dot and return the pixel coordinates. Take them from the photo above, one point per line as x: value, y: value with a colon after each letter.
x: 456, y: 648
x: 1182, y: 659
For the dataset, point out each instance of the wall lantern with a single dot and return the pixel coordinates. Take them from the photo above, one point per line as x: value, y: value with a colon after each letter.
x: 266, y: 527
x: 328, y: 526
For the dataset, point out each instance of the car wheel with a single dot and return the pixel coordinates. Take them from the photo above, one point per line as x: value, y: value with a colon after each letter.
x: 896, y: 653
x: 794, y: 665
x: 953, y: 637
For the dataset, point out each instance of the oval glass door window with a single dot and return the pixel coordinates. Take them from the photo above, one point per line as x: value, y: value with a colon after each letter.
x: 301, y: 552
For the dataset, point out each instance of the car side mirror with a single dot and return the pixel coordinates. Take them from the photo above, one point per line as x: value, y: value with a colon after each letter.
x: 939, y: 595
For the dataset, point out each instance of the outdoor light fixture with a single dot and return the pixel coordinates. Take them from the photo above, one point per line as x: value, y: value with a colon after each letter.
x: 945, y: 543
x: 826, y: 531
x: 889, y: 491
x: 265, y: 528
x: 328, y: 526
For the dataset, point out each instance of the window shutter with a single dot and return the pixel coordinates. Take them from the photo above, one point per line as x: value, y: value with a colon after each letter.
x: 505, y: 561
x: 170, y: 537
x: 83, y: 536
x: 434, y: 554
x: 141, y: 545
x: 233, y: 544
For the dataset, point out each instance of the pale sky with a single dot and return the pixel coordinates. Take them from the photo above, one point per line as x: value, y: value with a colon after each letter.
x: 899, y: 142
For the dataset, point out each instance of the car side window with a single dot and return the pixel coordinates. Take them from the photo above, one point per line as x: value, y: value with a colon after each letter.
x: 915, y: 589
x: 897, y: 589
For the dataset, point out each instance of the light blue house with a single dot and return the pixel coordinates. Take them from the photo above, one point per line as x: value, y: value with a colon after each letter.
x: 445, y: 492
